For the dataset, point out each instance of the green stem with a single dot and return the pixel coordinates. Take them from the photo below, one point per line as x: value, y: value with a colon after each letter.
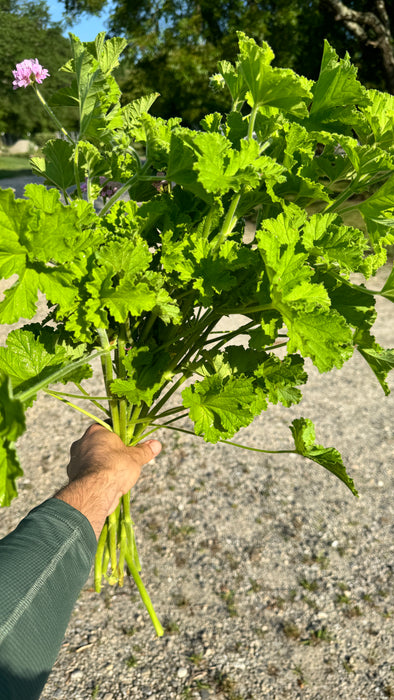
x: 251, y: 310
x: 52, y: 114
x: 76, y: 171
x: 133, y: 431
x: 112, y: 530
x: 230, y: 220
x: 169, y: 393
x: 106, y: 364
x: 93, y: 399
x: 78, y: 408
x: 123, y: 189
x: 252, y: 120
x: 122, y: 552
x: 229, y: 336
x: 105, y: 559
x: 130, y: 537
x: 195, y: 340
x: 226, y: 442
x: 121, y: 373
x: 144, y: 595
x: 342, y: 198
x: 170, y: 412
x: 148, y: 325
x: 85, y: 396
x: 98, y: 562
x: 371, y: 292
x: 56, y: 376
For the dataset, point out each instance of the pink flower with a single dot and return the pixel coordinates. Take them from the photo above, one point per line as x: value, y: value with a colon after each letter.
x: 28, y: 72
x: 109, y: 189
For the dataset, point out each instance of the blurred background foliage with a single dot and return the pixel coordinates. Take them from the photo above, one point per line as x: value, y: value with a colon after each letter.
x: 174, y: 46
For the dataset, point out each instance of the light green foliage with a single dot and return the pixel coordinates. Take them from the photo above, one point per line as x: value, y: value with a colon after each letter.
x: 329, y: 458
x: 148, y: 281
x: 12, y: 425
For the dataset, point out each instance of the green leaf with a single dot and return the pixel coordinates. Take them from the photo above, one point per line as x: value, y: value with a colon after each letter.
x: 34, y: 353
x: 57, y: 165
x: 16, y: 217
x: 277, y: 379
x: 336, y: 90
x: 304, y: 438
x: 129, y: 257
x: 355, y: 304
x: 282, y: 378
x: 157, y: 134
x: 134, y: 110
x: 12, y: 417
x: 10, y: 470
x: 60, y: 232
x: 220, y: 407
x: 146, y: 372
x: 388, y: 288
x: 126, y: 298
x: 12, y: 256
x: 379, y: 114
x: 381, y: 361
x: 237, y: 128
x: 288, y: 271
x: 301, y: 190
x: 26, y: 358
x: 324, y: 336
x: 94, y: 89
x: 377, y: 211
x: 20, y: 300
x: 221, y: 168
x: 332, y: 242
x: 274, y: 87
x: 12, y: 425
x: 211, y: 122
x: 180, y: 170
x: 233, y: 79
x: 108, y: 52
x: 367, y: 161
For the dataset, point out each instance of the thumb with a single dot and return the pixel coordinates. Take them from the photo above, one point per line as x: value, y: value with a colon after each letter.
x: 145, y: 451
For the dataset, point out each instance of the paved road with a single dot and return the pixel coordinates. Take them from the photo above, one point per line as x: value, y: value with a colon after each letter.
x: 18, y: 183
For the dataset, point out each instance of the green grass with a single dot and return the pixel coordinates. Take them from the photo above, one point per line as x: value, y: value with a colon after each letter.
x: 11, y: 166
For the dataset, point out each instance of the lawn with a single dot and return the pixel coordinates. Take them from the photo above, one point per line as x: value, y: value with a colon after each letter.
x: 12, y: 166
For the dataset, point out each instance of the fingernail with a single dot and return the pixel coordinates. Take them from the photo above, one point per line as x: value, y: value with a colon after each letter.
x: 155, y: 446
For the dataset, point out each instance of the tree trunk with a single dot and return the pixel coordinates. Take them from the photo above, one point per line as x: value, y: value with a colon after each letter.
x: 377, y: 23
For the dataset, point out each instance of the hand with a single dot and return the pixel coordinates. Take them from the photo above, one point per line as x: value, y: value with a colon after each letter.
x: 101, y: 470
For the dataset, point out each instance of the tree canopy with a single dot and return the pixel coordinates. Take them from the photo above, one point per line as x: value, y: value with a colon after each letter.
x: 27, y: 32
x: 174, y: 45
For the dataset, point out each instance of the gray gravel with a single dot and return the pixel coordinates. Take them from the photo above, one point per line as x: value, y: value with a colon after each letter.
x: 271, y: 579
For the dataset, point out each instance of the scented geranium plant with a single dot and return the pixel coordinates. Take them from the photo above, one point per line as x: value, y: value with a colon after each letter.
x: 144, y: 283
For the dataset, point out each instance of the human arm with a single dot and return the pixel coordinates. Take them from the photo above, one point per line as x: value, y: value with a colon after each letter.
x: 45, y: 562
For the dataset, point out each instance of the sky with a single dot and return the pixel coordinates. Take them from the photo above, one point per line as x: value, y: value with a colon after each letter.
x: 87, y: 28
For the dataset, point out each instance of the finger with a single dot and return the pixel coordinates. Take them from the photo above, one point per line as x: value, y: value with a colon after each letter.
x: 145, y: 451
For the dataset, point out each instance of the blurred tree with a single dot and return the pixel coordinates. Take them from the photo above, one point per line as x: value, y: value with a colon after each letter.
x: 370, y: 25
x: 175, y: 44
x: 27, y: 32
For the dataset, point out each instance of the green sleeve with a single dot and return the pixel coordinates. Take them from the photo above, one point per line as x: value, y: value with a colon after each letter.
x: 43, y: 565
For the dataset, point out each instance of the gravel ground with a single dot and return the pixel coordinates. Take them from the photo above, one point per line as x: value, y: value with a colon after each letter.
x: 271, y: 579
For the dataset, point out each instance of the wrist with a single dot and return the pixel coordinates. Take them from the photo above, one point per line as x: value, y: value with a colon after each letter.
x: 93, y: 496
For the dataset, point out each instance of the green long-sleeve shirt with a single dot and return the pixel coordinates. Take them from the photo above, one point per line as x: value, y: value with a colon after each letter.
x: 44, y: 563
